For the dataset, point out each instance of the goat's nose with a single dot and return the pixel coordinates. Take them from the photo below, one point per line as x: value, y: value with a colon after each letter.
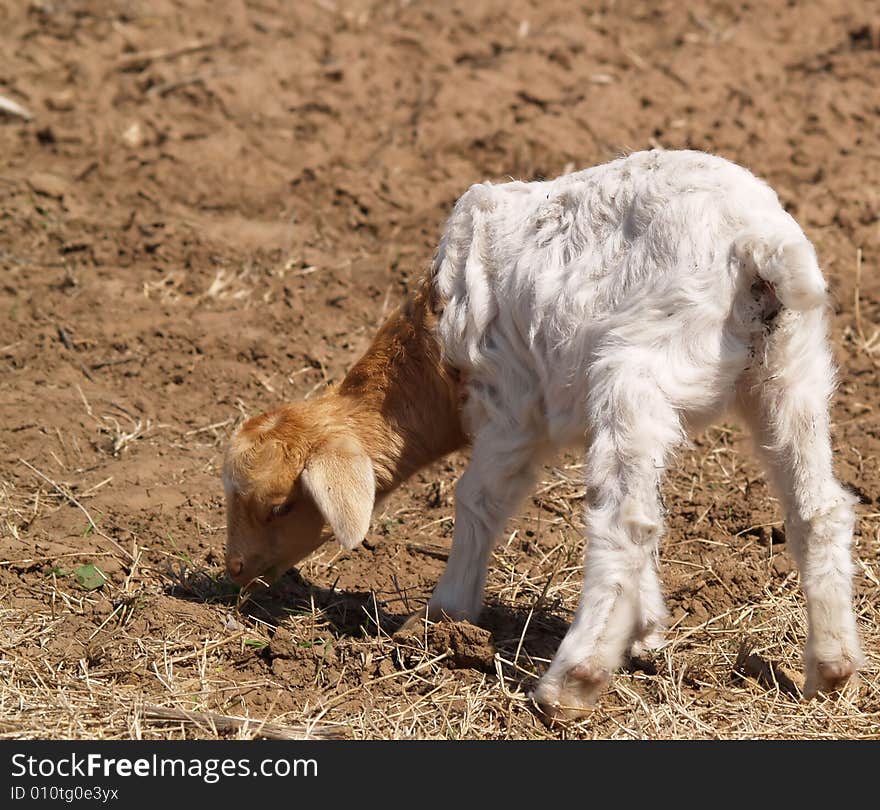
x: 234, y: 566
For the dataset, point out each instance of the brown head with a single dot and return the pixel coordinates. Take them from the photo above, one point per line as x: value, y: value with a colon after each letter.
x: 292, y: 471
x: 289, y: 473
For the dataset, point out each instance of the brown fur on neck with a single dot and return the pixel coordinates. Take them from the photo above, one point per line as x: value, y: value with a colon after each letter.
x: 400, y: 403
x: 404, y: 400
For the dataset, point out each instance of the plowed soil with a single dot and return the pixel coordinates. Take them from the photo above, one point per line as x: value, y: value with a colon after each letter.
x: 211, y: 209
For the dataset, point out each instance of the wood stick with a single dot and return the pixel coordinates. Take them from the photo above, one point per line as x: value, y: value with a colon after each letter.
x: 857, y: 298
x: 768, y: 674
x: 437, y: 552
x: 115, y: 361
x: 69, y: 497
x: 11, y: 107
x: 225, y: 722
x: 197, y: 78
x: 159, y: 54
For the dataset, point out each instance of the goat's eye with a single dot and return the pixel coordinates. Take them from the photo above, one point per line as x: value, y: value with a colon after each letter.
x: 280, y: 509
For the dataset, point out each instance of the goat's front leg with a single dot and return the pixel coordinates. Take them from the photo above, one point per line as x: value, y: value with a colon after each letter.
x: 621, y: 602
x: 502, y: 469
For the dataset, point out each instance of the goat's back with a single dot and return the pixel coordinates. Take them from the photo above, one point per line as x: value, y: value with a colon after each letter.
x: 652, y: 256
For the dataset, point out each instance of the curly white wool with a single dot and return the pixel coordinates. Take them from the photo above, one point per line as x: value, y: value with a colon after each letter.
x: 619, y: 308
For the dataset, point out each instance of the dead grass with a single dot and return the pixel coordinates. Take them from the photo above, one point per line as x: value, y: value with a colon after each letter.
x: 160, y: 651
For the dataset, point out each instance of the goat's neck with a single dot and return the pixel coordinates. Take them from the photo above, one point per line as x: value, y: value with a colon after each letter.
x: 401, y: 399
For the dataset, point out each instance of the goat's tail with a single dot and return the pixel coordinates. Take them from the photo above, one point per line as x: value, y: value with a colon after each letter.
x: 786, y: 260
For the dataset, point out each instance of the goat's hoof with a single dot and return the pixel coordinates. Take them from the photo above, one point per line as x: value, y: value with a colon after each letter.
x: 828, y: 676
x: 572, y: 695
x: 651, y: 641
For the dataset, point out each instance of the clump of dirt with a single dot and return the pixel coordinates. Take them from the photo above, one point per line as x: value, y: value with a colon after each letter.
x: 293, y: 658
x: 283, y: 645
x: 465, y: 645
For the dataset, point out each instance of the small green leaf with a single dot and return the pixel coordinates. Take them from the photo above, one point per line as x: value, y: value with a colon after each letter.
x: 89, y: 577
x: 255, y: 642
x: 182, y: 554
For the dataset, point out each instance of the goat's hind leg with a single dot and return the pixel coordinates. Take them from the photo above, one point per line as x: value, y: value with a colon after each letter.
x: 653, y: 615
x: 784, y: 399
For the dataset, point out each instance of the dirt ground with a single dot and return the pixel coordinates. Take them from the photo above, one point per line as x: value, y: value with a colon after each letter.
x: 210, y: 211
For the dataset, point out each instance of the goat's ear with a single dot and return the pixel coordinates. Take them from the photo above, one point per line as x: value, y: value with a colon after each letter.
x: 340, y: 480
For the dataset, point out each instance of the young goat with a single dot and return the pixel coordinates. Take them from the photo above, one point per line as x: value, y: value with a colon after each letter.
x: 616, y: 308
